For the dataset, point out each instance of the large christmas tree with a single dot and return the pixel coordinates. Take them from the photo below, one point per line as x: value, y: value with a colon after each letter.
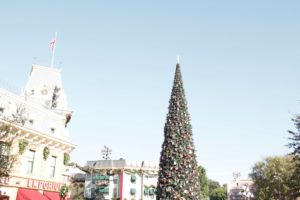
x: 178, y: 175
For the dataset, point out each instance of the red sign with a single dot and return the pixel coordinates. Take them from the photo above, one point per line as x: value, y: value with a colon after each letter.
x: 43, y: 185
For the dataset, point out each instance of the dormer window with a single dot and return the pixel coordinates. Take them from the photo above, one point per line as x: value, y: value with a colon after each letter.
x: 53, y: 130
x: 31, y: 121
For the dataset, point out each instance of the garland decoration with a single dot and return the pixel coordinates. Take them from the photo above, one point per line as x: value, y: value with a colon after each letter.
x: 149, y: 173
x: 46, y: 153
x: 149, y: 190
x: 22, y: 146
x: 109, y: 172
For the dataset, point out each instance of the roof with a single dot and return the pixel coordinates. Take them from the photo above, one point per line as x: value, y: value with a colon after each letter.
x: 41, y: 84
x: 123, y: 164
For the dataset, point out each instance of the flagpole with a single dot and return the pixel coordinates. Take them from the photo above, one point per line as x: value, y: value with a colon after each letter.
x: 53, y: 51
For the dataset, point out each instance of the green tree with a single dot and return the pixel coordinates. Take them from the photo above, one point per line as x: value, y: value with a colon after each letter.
x: 219, y: 193
x: 7, y: 158
x: 273, y: 178
x: 295, y: 146
x: 213, y: 184
x: 8, y: 134
x: 203, y: 182
x: 178, y: 174
x: 216, y: 192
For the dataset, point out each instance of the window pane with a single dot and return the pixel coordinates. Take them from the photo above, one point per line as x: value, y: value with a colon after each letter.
x: 52, y: 166
x: 30, y: 161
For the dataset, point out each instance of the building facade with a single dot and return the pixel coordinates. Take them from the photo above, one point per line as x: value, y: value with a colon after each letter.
x: 40, y: 115
x: 77, y: 186
x: 240, y: 190
x: 121, y: 179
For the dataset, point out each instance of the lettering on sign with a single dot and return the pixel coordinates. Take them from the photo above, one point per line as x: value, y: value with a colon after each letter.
x: 43, y: 185
x: 4, y: 180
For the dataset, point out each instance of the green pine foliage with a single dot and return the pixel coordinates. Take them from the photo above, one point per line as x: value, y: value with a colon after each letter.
x: 219, y: 193
x: 178, y: 174
x: 63, y: 192
x: 294, y: 144
x: 203, y: 182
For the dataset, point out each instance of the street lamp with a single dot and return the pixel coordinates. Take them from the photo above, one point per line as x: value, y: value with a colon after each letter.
x: 106, y: 152
x: 236, y: 175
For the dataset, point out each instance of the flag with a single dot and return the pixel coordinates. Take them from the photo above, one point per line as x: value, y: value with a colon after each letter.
x: 52, y: 43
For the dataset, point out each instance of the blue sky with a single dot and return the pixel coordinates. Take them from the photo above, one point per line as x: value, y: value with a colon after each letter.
x: 240, y: 64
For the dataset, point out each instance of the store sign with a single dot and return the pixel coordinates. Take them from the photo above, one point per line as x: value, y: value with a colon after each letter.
x: 43, y: 185
x: 4, y: 180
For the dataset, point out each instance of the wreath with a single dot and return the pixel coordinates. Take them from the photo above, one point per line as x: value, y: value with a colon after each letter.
x: 22, y: 146
x: 46, y: 153
x: 66, y: 158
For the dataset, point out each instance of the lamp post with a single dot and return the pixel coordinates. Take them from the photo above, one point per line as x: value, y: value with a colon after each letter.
x: 106, y: 153
x: 236, y: 175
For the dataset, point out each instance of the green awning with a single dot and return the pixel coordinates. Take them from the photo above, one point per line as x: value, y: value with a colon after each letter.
x: 133, y: 178
x: 146, y: 191
x: 101, y: 177
x: 151, y: 191
x: 132, y: 191
x: 103, y: 190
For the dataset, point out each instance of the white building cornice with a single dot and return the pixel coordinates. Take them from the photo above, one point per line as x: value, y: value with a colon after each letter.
x: 38, y: 108
x: 43, y: 68
x: 35, y: 136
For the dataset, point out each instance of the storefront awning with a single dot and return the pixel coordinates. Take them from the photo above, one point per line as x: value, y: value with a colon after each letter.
x: 52, y: 195
x: 27, y: 194
x: 4, y: 197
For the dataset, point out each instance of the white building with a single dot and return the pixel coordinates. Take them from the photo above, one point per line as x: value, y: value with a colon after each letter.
x: 42, y: 144
x: 240, y: 189
x: 121, y: 179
